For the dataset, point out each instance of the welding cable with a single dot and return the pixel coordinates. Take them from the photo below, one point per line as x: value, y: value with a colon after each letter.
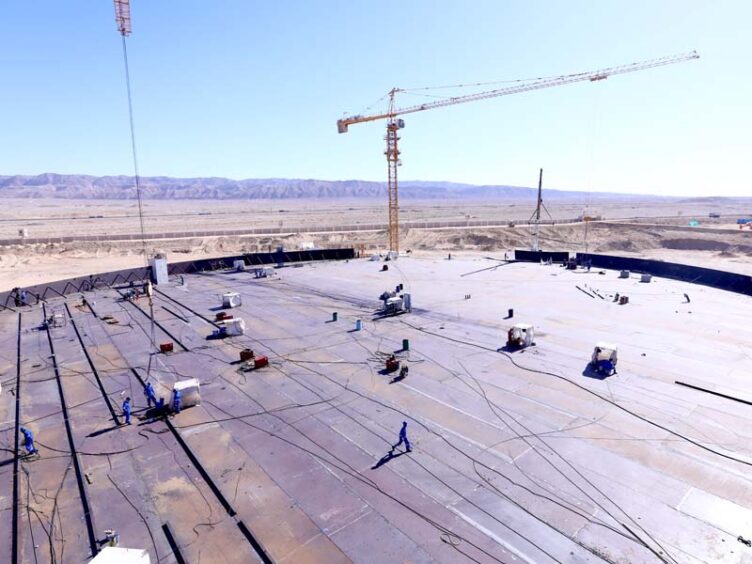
x: 29, y: 513
x: 360, y: 477
x: 587, y: 518
x: 58, y: 412
x: 258, y: 413
x: 86, y: 453
x: 300, y: 383
x: 305, y: 436
x: 495, y: 406
x: 207, y: 523
x: 501, y: 493
x: 585, y: 389
x: 468, y: 500
x: 49, y: 532
x: 139, y: 513
x: 566, y: 505
x: 425, y: 469
x: 553, y: 451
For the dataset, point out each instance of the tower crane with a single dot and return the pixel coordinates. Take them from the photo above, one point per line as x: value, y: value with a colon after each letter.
x: 394, y: 123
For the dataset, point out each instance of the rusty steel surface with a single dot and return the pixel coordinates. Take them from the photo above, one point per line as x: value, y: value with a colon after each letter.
x: 516, y: 457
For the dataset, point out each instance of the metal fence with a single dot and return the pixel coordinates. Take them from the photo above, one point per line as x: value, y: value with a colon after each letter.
x: 262, y: 231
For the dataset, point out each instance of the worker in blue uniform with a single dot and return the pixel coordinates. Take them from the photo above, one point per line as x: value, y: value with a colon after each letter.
x: 176, y: 401
x: 403, y: 438
x: 127, y: 410
x: 150, y: 395
x: 28, y: 440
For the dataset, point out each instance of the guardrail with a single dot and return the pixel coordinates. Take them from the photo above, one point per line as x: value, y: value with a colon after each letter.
x: 720, y: 279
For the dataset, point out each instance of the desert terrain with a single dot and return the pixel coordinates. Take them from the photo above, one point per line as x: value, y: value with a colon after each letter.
x: 650, y: 228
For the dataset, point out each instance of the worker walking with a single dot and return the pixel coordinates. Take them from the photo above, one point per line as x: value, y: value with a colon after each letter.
x: 28, y: 440
x: 176, y: 401
x: 127, y: 410
x: 150, y: 395
x: 403, y: 438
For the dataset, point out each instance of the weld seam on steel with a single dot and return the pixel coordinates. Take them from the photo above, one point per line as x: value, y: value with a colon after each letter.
x: 251, y: 539
x: 175, y: 314
x: 158, y: 324
x: 720, y: 395
x: 173, y: 543
x: 71, y: 442
x: 181, y: 304
x: 106, y: 397
x: 16, y: 500
x: 212, y: 484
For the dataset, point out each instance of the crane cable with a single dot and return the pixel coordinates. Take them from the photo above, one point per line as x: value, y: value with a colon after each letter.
x: 138, y: 196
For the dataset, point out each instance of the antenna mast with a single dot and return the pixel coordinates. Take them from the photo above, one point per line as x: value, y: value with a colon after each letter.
x: 536, y: 229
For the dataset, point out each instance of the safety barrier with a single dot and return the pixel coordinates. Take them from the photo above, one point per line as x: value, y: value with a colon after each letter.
x: 43, y: 292
x: 538, y: 256
x: 730, y: 281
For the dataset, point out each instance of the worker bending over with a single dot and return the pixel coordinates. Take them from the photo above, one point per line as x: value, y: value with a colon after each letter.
x: 28, y: 440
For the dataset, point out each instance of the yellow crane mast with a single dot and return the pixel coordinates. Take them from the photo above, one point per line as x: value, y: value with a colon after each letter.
x: 394, y: 124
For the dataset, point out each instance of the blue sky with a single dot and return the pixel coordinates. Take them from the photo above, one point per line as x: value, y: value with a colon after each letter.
x: 251, y: 89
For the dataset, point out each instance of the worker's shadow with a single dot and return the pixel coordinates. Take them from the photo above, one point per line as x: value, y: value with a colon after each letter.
x: 103, y: 431
x: 389, y: 456
x: 515, y: 349
x: 591, y: 372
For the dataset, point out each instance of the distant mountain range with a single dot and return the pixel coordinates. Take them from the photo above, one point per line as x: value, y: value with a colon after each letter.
x: 161, y: 187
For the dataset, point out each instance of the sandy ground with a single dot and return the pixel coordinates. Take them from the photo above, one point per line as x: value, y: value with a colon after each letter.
x: 657, y: 234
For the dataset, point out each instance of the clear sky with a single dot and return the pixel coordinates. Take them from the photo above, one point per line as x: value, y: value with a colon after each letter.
x: 252, y: 89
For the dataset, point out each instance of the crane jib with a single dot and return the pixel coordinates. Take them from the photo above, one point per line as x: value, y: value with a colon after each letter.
x: 392, y: 152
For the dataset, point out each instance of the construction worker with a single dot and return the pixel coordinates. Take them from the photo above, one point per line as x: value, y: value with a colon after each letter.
x: 150, y: 395
x: 403, y: 438
x: 127, y: 410
x: 176, y: 401
x: 28, y: 440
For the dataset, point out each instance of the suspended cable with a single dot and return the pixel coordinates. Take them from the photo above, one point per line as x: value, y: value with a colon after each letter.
x: 133, y: 150
x: 123, y: 19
